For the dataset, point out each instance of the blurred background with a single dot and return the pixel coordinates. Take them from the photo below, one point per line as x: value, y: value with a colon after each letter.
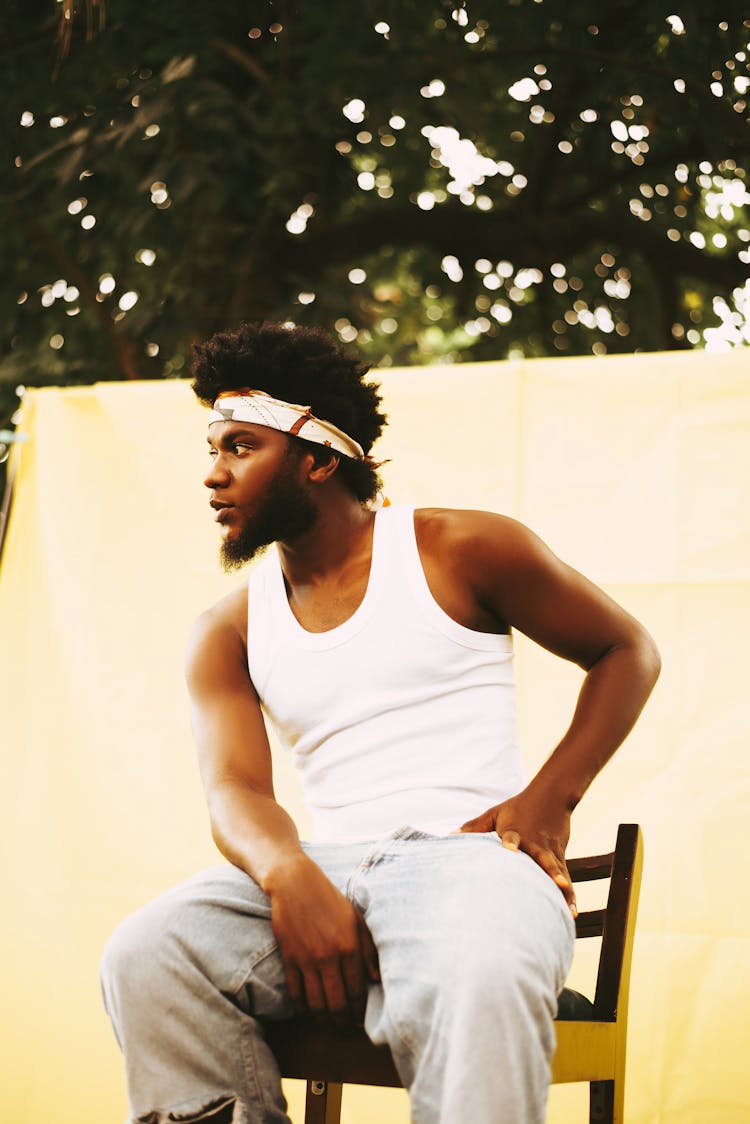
x: 432, y: 182
x: 476, y: 196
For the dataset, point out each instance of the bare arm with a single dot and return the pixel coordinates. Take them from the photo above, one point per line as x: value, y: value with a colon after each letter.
x: 324, y: 943
x: 518, y: 581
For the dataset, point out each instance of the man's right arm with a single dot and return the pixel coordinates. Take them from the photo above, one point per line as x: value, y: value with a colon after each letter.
x: 325, y: 945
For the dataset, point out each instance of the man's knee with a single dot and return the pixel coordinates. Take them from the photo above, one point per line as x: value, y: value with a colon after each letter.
x: 133, y: 955
x: 211, y: 934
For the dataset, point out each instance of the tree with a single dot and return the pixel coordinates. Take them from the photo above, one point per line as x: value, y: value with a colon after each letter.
x: 429, y: 180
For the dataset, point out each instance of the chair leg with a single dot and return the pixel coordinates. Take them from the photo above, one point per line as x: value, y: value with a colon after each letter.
x: 323, y: 1102
x: 601, y: 1102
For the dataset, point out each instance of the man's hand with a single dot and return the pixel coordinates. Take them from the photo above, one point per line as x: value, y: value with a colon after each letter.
x: 325, y: 945
x: 537, y: 825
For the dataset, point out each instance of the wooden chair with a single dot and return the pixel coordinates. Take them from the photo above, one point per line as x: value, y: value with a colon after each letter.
x: 590, y: 1036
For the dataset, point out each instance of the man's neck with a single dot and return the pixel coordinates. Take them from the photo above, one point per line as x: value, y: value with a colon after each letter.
x: 341, y: 535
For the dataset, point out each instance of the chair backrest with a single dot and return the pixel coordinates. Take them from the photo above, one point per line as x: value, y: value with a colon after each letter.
x: 306, y: 1048
x: 615, y: 924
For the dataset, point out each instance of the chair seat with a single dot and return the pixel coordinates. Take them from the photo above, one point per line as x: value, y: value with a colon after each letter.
x: 304, y: 1046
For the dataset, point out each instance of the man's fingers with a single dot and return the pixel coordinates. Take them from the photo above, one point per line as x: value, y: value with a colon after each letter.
x: 568, y: 892
x: 510, y: 839
x: 315, y: 999
x: 564, y: 881
x: 336, y: 999
x: 354, y: 979
x: 558, y: 872
x: 295, y: 988
x: 485, y: 822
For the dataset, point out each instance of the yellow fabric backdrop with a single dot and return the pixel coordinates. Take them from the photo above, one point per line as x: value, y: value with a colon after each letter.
x: 634, y: 469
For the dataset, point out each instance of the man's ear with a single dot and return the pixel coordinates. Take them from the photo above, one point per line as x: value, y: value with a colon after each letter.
x: 324, y: 469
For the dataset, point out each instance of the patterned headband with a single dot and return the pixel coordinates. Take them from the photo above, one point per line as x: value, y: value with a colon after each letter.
x: 259, y: 408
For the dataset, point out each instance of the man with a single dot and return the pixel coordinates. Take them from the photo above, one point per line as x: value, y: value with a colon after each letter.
x: 434, y: 901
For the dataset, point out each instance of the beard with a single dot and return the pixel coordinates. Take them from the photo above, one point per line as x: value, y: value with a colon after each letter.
x: 284, y: 512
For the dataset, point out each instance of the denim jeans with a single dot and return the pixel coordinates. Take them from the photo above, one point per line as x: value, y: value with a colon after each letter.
x: 474, y: 943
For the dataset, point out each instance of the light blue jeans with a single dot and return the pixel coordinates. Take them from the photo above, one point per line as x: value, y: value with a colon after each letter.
x: 474, y: 943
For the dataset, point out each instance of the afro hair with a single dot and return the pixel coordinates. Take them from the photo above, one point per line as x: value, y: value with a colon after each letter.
x: 300, y: 365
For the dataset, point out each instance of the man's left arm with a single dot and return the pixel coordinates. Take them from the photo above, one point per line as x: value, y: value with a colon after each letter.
x: 522, y: 583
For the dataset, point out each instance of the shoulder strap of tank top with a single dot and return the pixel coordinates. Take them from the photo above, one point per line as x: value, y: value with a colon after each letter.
x: 260, y: 584
x: 391, y: 547
x: 262, y: 613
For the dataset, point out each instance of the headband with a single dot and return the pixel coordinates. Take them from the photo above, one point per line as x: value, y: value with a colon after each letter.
x: 259, y: 408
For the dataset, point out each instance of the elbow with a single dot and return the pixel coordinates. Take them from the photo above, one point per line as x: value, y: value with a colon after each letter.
x: 225, y: 839
x: 649, y: 657
x: 220, y: 818
x: 219, y: 833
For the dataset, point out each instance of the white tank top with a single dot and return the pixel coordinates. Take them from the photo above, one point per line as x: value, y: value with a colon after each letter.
x: 399, y: 715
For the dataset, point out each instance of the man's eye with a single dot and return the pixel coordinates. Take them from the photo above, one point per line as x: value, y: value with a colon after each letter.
x: 237, y: 447
x: 212, y: 454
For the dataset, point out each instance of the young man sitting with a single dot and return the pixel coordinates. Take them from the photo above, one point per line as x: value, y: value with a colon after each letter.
x: 433, y: 900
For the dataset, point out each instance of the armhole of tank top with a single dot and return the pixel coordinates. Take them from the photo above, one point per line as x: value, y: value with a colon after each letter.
x: 468, y: 637
x: 384, y: 532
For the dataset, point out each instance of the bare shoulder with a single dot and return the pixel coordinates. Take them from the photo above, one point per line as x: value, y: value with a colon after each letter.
x: 515, y: 577
x: 476, y: 537
x: 218, y: 639
x: 471, y: 558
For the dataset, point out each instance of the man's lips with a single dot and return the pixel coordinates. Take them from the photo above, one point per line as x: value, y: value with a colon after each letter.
x: 222, y: 510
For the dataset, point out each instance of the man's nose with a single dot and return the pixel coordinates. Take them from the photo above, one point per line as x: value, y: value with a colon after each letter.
x: 217, y: 475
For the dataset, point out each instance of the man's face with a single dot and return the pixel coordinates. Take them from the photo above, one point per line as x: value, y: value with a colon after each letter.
x: 258, y: 491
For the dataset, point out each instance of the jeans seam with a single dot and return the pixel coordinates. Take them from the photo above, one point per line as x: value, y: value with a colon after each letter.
x: 375, y: 859
x: 267, y: 951
x: 249, y: 1060
x: 407, y: 1045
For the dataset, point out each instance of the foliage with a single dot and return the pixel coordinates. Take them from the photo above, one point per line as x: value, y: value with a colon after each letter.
x: 431, y: 181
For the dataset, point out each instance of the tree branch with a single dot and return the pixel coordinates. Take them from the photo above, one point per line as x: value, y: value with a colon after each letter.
x: 236, y: 54
x: 121, y: 346
x: 528, y: 239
